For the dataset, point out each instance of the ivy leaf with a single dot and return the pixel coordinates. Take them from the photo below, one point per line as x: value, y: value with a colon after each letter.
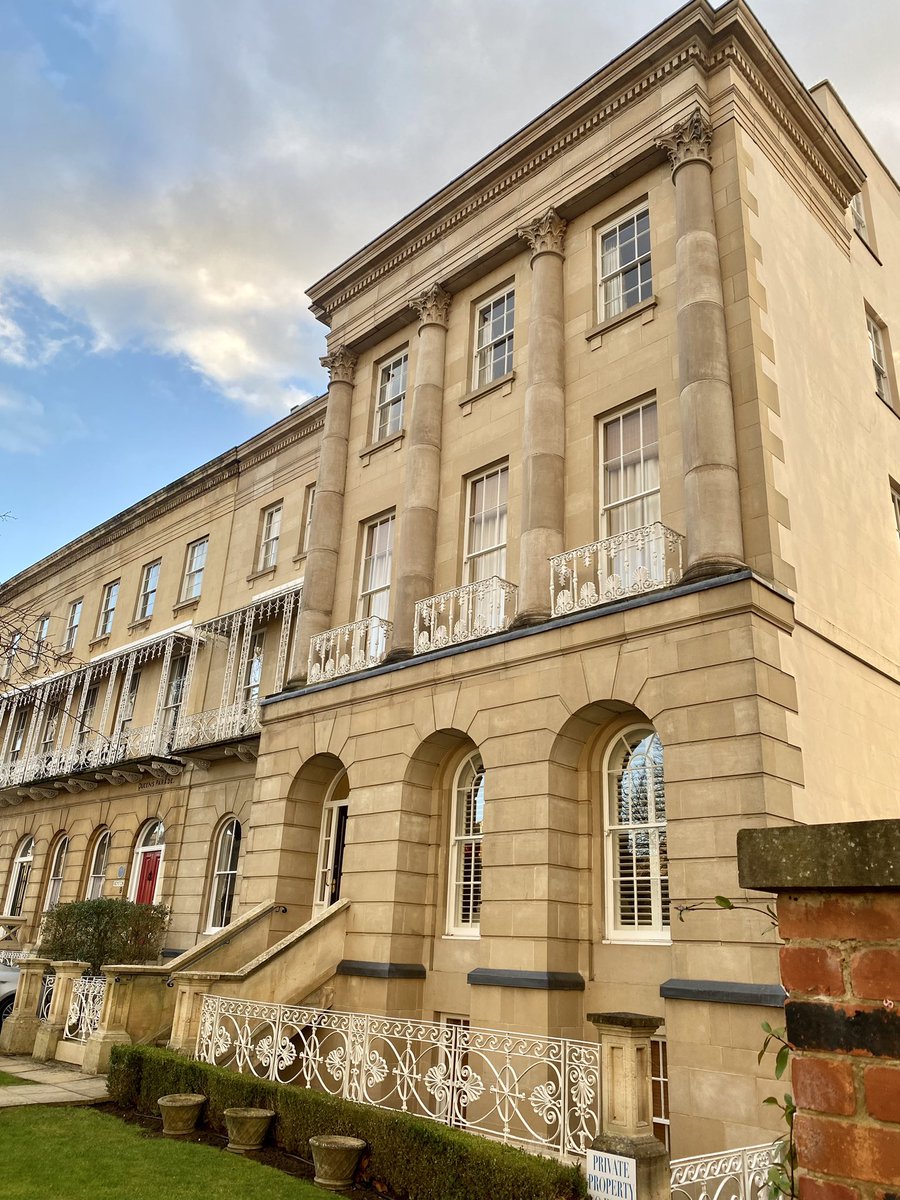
x: 724, y: 902
x: 782, y: 1059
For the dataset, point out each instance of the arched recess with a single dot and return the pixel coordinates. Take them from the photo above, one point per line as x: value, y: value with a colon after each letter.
x: 222, y: 876
x: 96, y: 863
x: 55, y: 870
x: 146, y: 874
x: 311, y: 873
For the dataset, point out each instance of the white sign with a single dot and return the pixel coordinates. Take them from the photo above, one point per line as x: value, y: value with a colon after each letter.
x: 610, y: 1176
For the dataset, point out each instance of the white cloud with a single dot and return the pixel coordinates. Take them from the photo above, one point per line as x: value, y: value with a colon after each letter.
x: 23, y: 423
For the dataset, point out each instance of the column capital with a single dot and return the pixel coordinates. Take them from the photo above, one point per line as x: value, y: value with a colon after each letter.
x: 545, y: 235
x: 432, y: 305
x: 689, y: 141
x: 340, y: 364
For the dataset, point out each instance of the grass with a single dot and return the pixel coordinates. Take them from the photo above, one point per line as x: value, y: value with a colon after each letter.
x: 80, y: 1154
x: 7, y: 1080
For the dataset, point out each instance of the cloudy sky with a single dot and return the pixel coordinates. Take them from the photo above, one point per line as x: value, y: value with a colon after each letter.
x: 176, y: 172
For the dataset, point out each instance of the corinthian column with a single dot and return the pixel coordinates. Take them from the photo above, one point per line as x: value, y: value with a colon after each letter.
x: 417, y: 531
x: 711, y: 489
x: 544, y: 434
x: 317, y: 599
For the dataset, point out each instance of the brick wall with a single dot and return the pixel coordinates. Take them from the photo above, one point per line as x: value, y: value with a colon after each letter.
x: 839, y: 915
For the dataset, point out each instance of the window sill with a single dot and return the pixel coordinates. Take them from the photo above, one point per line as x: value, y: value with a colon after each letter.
x: 505, y: 381
x: 868, y: 247
x: 185, y: 606
x: 299, y: 558
x: 141, y: 624
x: 645, y: 310
x: 624, y: 939
x: 267, y: 573
x: 98, y: 641
x: 460, y: 937
x: 395, y: 440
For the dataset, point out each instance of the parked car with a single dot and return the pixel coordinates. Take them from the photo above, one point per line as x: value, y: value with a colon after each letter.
x: 9, y: 981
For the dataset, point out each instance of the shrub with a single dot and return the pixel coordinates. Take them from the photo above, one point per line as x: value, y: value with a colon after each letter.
x: 104, y: 931
x: 406, y: 1155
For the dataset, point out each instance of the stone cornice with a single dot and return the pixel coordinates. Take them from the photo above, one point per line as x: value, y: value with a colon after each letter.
x: 290, y: 429
x: 697, y: 35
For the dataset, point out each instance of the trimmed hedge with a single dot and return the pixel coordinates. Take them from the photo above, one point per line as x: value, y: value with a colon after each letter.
x: 105, y: 930
x: 406, y: 1154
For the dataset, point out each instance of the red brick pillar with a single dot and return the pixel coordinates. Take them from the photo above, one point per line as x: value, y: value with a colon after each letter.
x: 838, y: 910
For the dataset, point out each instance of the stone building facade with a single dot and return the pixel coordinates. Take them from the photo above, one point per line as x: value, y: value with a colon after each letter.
x: 588, y: 559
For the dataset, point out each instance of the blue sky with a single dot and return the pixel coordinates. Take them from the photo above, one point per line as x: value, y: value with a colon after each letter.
x: 176, y: 172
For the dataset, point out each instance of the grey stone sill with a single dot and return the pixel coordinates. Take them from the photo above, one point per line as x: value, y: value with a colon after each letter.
x: 723, y: 991
x: 299, y: 558
x: 185, y: 606
x: 395, y: 440
x: 268, y: 573
x: 485, y: 390
x: 861, y: 855
x: 644, y: 310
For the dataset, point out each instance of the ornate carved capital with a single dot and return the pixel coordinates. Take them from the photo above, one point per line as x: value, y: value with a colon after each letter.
x: 432, y: 305
x: 546, y: 235
x: 689, y: 141
x: 341, y: 365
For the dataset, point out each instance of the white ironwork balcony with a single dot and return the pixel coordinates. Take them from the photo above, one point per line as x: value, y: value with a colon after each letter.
x: 464, y: 613
x: 85, y: 754
x: 626, y: 564
x: 354, y: 647
x: 217, y: 725
x: 540, y: 1092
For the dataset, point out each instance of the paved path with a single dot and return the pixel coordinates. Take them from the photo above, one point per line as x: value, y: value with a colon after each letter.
x: 50, y: 1083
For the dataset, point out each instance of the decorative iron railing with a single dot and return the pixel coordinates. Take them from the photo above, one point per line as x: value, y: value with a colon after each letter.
x: 530, y: 1091
x: 11, y: 958
x: 464, y: 613
x: 83, y: 1017
x: 91, y: 753
x: 45, y: 998
x: 217, y: 725
x: 350, y: 648
x: 626, y: 564
x: 729, y: 1175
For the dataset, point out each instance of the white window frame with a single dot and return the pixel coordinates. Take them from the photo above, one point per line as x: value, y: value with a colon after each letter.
x: 51, y: 726
x: 10, y: 656
x: 194, y: 566
x: 40, y: 638
x: 253, y: 671
x: 99, y: 865
x: 57, y: 868
x: 309, y: 500
x: 879, y: 359
x: 72, y: 624
x: 17, y: 738
x: 648, y: 498
x: 858, y: 216
x: 19, y: 877
x: 223, y: 889
x: 494, y: 340
x: 151, y: 839
x: 465, y: 838
x: 147, y: 591
x: 83, y: 730
x: 658, y: 929
x: 391, y: 398
x: 337, y: 797
x: 270, y: 533
x: 611, y: 270
x: 376, y: 567
x: 489, y: 559
x: 127, y: 703
x: 108, y: 608
x: 173, y: 698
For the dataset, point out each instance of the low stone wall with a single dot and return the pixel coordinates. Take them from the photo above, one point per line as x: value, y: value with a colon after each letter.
x: 838, y: 889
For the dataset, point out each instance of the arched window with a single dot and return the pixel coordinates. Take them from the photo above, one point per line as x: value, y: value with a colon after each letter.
x: 57, y: 867
x: 19, y: 876
x: 464, y: 871
x: 637, y: 874
x: 224, y: 880
x: 146, y: 867
x: 331, y: 844
x: 99, y: 863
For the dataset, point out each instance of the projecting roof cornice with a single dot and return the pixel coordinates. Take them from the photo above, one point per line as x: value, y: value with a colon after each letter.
x: 696, y: 36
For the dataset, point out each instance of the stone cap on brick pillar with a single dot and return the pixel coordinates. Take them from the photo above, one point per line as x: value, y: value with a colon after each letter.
x: 861, y: 855
x: 627, y: 1020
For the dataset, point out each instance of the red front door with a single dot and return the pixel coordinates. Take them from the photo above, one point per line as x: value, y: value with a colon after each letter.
x: 149, y: 870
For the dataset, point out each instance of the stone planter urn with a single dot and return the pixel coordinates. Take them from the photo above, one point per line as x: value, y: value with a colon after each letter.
x: 180, y: 1113
x: 247, y: 1128
x: 336, y: 1159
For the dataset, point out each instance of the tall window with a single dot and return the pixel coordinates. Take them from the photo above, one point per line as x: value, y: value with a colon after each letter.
x: 17, y: 738
x: 85, y: 721
x: 330, y: 866
x: 99, y: 863
x: 630, y: 455
x: 146, y: 866
x: 270, y: 532
x: 193, y: 569
x: 57, y: 867
x: 895, y: 500
x: 624, y: 258
x: 51, y: 722
x: 40, y: 638
x: 174, y: 695
x: 391, y: 395
x: 107, y: 608
x: 309, y: 499
x: 126, y: 705
x: 9, y: 657
x: 228, y: 849
x: 72, y: 624
x: 637, y: 874
x: 18, y: 878
x: 253, y: 670
x: 147, y: 593
x: 494, y: 323
x: 486, y: 525
x: 879, y: 360
x: 464, y: 872
x: 858, y: 213
x: 375, y: 581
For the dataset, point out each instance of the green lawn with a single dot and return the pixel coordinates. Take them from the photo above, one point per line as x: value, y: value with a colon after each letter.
x: 80, y: 1154
x: 7, y: 1080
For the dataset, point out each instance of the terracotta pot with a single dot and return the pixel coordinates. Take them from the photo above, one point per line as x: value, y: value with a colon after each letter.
x: 180, y: 1113
x: 247, y: 1128
x: 336, y: 1159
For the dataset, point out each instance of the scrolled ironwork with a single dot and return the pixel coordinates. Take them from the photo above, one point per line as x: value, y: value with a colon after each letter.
x: 349, y: 648
x: 83, y: 1017
x: 740, y: 1174
x: 626, y: 564
x: 465, y: 613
